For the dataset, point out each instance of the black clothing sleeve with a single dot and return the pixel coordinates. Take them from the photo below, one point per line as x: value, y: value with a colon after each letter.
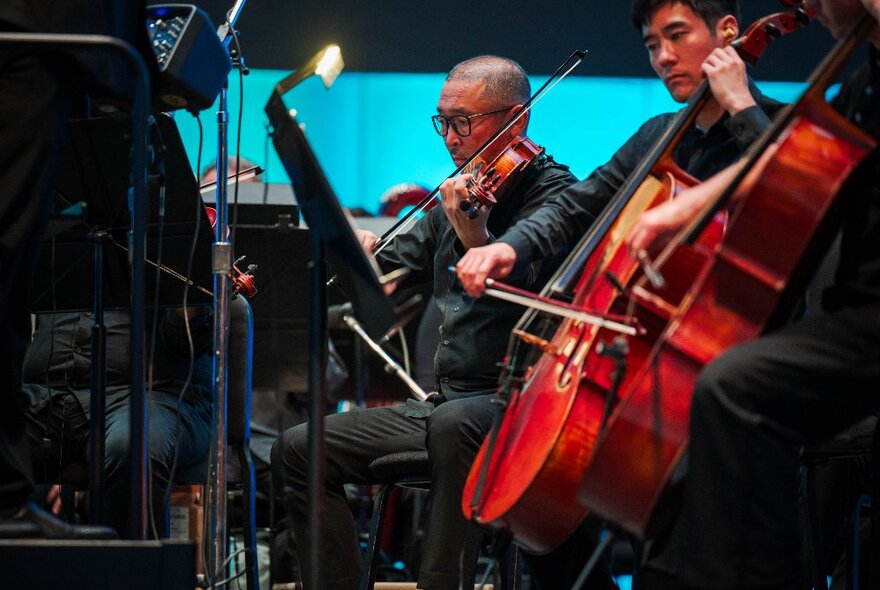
x: 562, y: 221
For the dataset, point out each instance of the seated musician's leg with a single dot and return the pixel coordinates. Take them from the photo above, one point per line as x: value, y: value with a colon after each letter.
x: 189, y: 429
x: 353, y: 440
x: 752, y: 408
x: 456, y: 430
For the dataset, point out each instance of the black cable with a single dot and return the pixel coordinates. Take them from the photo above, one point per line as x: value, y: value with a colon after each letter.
x: 242, y: 70
x: 46, y: 440
x: 159, y: 163
x: 266, y: 163
x: 188, y: 381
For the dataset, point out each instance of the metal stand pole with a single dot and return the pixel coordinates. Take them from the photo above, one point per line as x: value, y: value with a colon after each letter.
x: 221, y: 264
x: 604, y: 543
x: 317, y: 395
x: 98, y: 410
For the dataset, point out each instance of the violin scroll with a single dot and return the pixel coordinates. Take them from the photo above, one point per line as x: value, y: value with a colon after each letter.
x: 243, y: 282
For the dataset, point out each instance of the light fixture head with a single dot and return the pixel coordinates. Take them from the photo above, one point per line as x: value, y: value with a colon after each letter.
x: 330, y: 65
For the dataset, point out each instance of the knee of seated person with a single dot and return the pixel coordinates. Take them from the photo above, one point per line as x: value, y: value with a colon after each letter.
x: 115, y: 456
x: 718, y: 382
x: 291, y: 448
x: 449, y: 430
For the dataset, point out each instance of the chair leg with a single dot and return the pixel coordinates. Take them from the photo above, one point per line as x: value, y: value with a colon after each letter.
x: 871, y: 570
x: 248, y: 495
x: 813, y: 532
x: 371, y: 558
x: 68, y: 503
x: 511, y: 569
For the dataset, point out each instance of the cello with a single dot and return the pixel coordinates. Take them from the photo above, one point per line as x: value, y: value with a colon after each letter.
x: 525, y: 479
x: 745, y: 286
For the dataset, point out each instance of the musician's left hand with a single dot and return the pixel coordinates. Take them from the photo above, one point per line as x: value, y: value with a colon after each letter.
x: 472, y: 232
x: 367, y: 240
x: 726, y: 72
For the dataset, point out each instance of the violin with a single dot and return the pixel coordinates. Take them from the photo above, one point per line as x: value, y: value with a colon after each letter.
x: 242, y: 281
x: 525, y: 479
x: 497, y: 178
x: 486, y: 180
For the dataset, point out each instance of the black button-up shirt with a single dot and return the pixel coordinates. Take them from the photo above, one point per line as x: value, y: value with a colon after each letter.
x: 474, y: 332
x: 858, y: 276
x: 58, y: 361
x: 563, y: 221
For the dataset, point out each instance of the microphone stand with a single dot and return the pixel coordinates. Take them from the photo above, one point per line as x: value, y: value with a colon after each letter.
x: 221, y: 264
x: 391, y: 365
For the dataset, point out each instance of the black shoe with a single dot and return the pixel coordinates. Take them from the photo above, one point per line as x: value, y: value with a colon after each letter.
x: 32, y: 522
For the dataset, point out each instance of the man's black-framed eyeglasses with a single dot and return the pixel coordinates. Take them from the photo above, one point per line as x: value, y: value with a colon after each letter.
x: 461, y: 124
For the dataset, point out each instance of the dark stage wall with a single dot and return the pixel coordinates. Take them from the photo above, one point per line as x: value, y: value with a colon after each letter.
x: 416, y: 36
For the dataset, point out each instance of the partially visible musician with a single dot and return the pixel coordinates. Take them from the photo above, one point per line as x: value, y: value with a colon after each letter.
x: 687, y: 41
x: 477, y: 97
x: 758, y: 403
x: 37, y: 90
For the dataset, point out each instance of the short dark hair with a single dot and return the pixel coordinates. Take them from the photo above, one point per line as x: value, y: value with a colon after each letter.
x: 711, y: 11
x: 506, y: 82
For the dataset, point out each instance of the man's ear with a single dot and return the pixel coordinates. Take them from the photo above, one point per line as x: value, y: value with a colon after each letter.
x: 519, y: 128
x: 727, y: 29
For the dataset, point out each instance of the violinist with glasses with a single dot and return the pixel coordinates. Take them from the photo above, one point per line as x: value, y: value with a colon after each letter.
x: 759, y: 402
x: 478, y: 96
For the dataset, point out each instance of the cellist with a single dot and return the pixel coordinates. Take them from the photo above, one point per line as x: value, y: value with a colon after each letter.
x: 757, y: 403
x: 686, y: 41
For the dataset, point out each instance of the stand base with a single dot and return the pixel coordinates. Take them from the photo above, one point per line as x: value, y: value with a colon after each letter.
x: 94, y: 565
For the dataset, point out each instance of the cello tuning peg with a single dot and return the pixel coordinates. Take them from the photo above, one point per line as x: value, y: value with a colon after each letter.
x: 772, y: 31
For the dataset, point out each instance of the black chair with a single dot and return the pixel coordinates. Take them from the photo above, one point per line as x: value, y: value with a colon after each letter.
x: 409, y: 469
x: 859, y: 442
x: 412, y: 469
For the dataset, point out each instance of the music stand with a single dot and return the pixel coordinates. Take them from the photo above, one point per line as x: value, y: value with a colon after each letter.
x: 94, y: 242
x: 371, y: 307
x: 94, y: 170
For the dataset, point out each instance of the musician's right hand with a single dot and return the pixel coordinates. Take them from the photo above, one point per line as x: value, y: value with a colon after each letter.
x: 493, y: 261
x: 367, y: 239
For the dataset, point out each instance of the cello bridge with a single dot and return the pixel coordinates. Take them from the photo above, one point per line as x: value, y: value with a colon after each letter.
x: 537, y: 341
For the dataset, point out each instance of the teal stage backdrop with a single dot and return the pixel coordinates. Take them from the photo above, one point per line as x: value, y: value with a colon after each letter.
x: 372, y: 130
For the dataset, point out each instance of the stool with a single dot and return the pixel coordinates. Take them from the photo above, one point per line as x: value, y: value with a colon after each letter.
x: 860, y: 440
x: 412, y: 469
x: 408, y: 469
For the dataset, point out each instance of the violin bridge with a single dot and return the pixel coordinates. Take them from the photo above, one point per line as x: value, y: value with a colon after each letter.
x: 532, y: 340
